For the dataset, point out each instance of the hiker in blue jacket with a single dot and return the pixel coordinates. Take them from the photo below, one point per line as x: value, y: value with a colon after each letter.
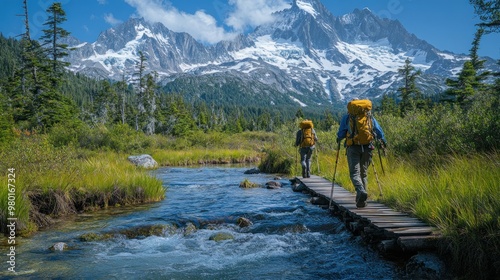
x: 359, y: 156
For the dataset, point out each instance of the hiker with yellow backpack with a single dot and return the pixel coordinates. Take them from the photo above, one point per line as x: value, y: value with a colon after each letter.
x: 361, y: 130
x: 306, y: 138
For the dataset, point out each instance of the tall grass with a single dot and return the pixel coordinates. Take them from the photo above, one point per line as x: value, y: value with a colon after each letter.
x: 461, y: 199
x: 213, y: 148
x: 51, y: 182
x: 167, y: 157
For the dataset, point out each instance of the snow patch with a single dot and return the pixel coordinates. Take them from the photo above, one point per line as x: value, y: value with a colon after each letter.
x: 307, y: 7
x: 298, y: 101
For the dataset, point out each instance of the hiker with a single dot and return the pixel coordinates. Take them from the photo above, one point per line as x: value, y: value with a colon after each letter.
x: 360, y: 129
x: 306, y: 138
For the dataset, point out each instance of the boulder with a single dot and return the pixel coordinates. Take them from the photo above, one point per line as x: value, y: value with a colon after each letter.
x: 246, y: 184
x: 145, y: 231
x: 59, y: 246
x: 319, y: 200
x: 92, y: 236
x: 190, y: 229
x: 273, y: 185
x: 221, y: 236
x: 244, y: 222
x: 425, y: 266
x: 298, y: 187
x: 252, y: 171
x: 144, y: 161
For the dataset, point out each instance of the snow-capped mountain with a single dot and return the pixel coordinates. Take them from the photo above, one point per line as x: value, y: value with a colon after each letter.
x: 306, y: 56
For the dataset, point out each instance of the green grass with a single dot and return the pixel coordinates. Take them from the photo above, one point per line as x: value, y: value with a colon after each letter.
x: 204, y: 156
x: 53, y: 182
x: 461, y: 199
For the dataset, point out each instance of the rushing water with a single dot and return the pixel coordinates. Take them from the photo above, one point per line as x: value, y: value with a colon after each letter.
x: 289, y: 238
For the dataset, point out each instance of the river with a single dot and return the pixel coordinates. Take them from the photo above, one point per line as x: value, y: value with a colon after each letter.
x: 289, y: 239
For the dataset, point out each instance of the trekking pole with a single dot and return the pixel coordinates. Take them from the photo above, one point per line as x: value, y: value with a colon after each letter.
x: 296, y: 160
x: 334, y: 174
x: 380, y: 158
x: 317, y: 160
x: 376, y: 177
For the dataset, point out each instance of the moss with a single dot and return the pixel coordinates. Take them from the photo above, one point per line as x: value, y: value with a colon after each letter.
x: 92, y: 236
x: 190, y: 229
x: 246, y: 184
x: 221, y: 236
x: 145, y: 231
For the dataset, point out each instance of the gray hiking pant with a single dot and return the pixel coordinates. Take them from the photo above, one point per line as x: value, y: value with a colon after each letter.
x: 305, y: 158
x: 359, y: 158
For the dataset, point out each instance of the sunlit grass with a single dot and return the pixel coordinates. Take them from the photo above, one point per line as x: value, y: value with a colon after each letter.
x: 204, y: 156
x: 59, y: 181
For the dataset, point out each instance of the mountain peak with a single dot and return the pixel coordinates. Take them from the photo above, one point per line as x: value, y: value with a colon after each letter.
x: 305, y: 53
x: 308, y: 6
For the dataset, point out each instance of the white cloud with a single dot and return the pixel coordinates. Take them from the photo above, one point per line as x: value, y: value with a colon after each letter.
x: 252, y: 13
x: 200, y: 25
x: 103, y: 2
x: 109, y: 18
x: 203, y: 26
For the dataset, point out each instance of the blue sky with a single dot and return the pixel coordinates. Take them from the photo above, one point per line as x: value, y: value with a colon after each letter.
x: 446, y: 24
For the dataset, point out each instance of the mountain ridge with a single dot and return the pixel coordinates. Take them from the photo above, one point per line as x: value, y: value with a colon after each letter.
x: 306, y: 53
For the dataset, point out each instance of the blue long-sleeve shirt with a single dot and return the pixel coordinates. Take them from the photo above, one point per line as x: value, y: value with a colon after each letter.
x: 344, y: 127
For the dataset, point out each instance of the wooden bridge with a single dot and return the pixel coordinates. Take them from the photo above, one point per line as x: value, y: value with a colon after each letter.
x: 389, y: 230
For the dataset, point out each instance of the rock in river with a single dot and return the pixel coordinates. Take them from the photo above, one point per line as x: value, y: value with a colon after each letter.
x: 59, y: 246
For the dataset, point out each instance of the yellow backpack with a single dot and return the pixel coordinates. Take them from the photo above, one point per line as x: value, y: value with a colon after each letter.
x: 360, y: 131
x: 307, y: 133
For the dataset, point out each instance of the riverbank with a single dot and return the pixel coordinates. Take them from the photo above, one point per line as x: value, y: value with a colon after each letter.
x: 47, y: 181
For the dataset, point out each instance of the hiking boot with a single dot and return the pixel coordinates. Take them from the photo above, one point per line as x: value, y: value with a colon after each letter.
x: 360, y: 204
x: 361, y: 199
x: 308, y: 174
x: 363, y: 196
x: 304, y: 174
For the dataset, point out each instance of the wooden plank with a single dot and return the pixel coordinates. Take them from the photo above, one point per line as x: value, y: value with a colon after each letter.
x: 411, y: 231
x: 399, y: 224
x: 352, y: 206
x: 376, y: 219
x: 379, y: 214
x: 417, y: 243
x: 393, y: 219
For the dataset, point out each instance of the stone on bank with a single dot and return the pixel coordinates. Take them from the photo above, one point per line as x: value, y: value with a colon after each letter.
x: 144, y: 161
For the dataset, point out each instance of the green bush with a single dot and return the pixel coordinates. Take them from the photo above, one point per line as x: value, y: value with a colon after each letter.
x: 446, y: 129
x: 67, y: 133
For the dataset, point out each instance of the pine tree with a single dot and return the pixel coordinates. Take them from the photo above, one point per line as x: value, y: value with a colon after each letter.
x: 140, y: 88
x: 465, y: 85
x: 409, y: 93
x: 106, y: 104
x: 328, y: 121
x: 51, y: 39
x: 470, y: 79
x: 150, y: 102
x: 489, y: 13
x: 299, y: 114
x: 388, y: 105
x: 121, y: 87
